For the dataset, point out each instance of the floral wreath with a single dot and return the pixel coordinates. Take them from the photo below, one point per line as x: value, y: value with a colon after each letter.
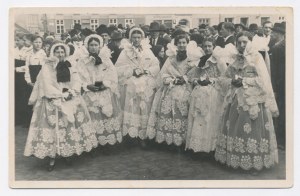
x: 66, y: 47
x: 86, y: 40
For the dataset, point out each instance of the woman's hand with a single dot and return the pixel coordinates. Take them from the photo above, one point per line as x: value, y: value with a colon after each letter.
x: 204, y: 82
x: 67, y: 96
x: 93, y: 88
x: 179, y: 80
x: 195, y: 82
x: 30, y: 84
x: 138, y: 72
x: 237, y: 82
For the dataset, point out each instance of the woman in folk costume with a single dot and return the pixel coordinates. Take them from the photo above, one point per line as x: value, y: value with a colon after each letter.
x: 206, y: 99
x: 247, y: 139
x: 100, y: 85
x: 60, y: 124
x: 137, y: 70
x: 169, y: 114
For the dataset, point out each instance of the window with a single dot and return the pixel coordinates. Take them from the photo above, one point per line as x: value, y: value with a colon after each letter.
x: 244, y: 21
x: 281, y: 18
x: 228, y: 20
x: 129, y: 21
x: 60, y: 26
x: 94, y: 24
x: 76, y: 22
x: 113, y: 21
x: 204, y: 21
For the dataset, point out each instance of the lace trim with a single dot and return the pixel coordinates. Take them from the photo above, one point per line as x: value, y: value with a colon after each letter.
x: 134, y: 132
x: 43, y: 142
x: 169, y: 138
x: 110, y: 139
x: 253, y: 153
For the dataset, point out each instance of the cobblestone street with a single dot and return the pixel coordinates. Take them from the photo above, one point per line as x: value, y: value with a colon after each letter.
x: 128, y: 161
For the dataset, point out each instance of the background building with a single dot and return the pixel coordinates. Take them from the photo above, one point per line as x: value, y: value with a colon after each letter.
x: 60, y: 23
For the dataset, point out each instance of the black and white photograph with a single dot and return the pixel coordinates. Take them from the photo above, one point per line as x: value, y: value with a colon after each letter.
x: 116, y: 97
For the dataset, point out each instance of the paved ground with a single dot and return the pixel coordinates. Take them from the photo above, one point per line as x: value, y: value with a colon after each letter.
x: 128, y: 161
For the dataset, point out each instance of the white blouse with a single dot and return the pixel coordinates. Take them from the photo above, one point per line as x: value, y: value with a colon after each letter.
x: 21, y: 54
x: 33, y: 58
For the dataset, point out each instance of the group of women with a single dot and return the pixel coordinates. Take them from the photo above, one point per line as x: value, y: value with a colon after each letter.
x: 207, y: 99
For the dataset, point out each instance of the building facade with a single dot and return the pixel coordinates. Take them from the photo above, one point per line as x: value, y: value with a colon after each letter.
x: 60, y: 23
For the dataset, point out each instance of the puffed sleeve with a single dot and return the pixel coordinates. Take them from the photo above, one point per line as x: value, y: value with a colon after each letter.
x: 124, y: 67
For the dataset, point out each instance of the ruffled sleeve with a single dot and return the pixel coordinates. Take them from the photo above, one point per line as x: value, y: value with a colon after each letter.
x: 153, y: 65
x: 164, y: 76
x: 111, y: 77
x: 81, y: 68
x: 124, y: 67
x: 265, y: 82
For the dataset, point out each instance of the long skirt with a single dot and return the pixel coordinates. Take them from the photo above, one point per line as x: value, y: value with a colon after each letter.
x: 244, y: 142
x: 51, y: 133
x: 106, y: 115
x: 204, y: 119
x: 136, y: 100
x: 168, y: 120
x: 21, y: 99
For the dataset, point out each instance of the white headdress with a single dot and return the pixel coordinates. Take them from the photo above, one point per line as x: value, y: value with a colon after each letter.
x: 86, y: 40
x: 66, y: 47
x: 193, y: 51
x: 136, y: 29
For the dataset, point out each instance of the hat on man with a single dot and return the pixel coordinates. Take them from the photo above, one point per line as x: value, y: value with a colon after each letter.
x: 145, y: 28
x: 253, y: 27
x: 102, y: 29
x: 111, y: 28
x: 279, y: 27
x: 77, y: 26
x: 73, y: 32
x: 86, y: 32
x: 154, y: 26
x: 240, y: 25
x: 116, y: 35
x: 178, y: 32
x: 163, y: 28
x: 229, y: 26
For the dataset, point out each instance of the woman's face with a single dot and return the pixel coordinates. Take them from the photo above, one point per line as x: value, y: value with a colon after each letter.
x: 105, y: 37
x: 238, y: 29
x: 181, y: 45
x: 242, y: 43
x: 162, y: 53
x: 94, y: 47
x: 136, y: 39
x: 60, y: 53
x: 224, y: 32
x: 37, y: 44
x: 19, y: 42
x: 47, y: 49
x: 208, y: 32
x: 27, y: 42
x: 208, y: 47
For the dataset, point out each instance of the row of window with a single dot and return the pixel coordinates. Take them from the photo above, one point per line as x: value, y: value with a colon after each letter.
x: 94, y: 23
x: 243, y: 21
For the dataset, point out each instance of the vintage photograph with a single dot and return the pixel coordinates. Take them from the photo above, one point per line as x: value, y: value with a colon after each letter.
x: 151, y: 97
